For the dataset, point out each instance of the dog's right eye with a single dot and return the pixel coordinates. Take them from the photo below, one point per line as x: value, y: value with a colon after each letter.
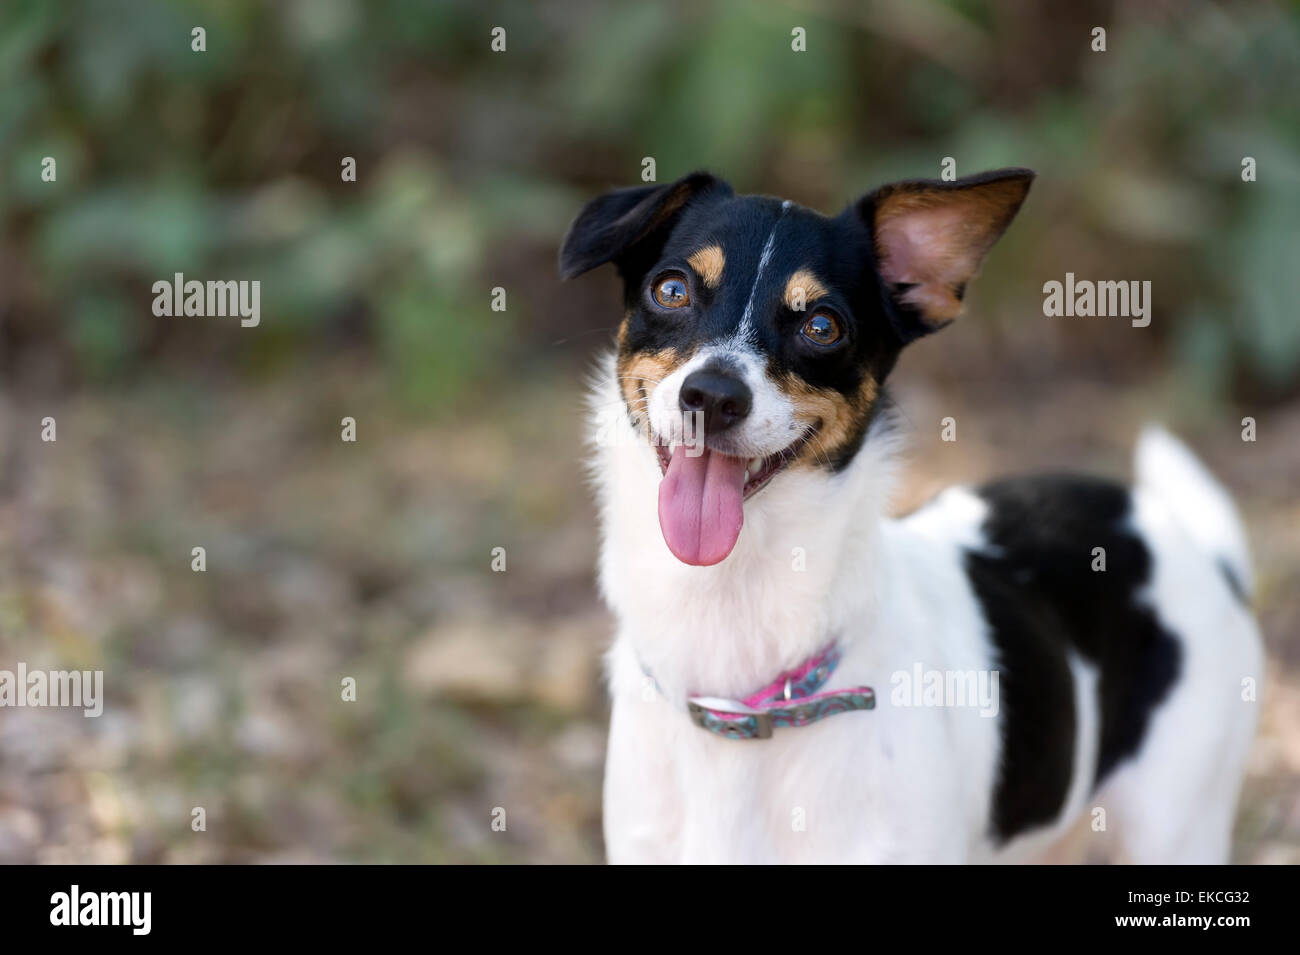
x: 671, y: 291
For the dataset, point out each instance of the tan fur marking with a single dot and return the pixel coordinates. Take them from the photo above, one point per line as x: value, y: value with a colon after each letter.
x: 841, y: 417
x: 708, y: 264
x: 638, y: 374
x: 812, y: 289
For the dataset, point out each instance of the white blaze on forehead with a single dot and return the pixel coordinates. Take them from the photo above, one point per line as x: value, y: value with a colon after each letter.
x: 746, y: 329
x: 771, y: 423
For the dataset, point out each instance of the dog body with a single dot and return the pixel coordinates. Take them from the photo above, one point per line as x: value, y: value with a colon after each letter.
x: 772, y: 328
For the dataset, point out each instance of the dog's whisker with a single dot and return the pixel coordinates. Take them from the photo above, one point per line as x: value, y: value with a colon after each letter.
x: 637, y: 378
x: 817, y: 443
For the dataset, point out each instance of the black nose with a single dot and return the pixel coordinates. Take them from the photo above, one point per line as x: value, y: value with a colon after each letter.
x: 723, y: 398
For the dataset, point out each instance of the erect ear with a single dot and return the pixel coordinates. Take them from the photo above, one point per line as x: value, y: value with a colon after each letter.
x: 620, y: 224
x: 930, y: 237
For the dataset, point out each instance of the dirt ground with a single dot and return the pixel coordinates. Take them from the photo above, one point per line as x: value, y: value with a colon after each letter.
x: 478, y: 692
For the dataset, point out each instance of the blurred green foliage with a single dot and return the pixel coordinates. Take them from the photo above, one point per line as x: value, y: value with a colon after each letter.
x: 225, y: 164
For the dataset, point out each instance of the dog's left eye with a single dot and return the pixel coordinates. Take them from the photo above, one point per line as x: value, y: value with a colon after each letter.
x: 671, y: 291
x: 822, y: 329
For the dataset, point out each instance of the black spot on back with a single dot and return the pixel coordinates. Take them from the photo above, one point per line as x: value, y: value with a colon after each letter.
x: 1042, y: 599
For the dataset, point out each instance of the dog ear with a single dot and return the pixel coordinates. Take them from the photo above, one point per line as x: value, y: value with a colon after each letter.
x: 612, y: 227
x: 929, y: 238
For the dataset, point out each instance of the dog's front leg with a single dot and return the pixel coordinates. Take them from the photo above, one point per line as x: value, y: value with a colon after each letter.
x: 643, y: 807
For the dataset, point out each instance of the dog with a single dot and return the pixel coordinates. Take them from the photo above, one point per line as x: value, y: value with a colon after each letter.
x: 771, y: 615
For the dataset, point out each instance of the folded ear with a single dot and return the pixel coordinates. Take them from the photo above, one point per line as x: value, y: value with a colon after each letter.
x: 618, y: 224
x: 930, y: 237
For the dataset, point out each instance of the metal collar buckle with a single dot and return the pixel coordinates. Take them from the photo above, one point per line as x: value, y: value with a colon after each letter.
x: 747, y: 722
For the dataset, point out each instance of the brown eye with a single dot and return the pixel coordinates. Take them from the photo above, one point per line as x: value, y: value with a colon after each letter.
x: 822, y: 329
x: 671, y: 292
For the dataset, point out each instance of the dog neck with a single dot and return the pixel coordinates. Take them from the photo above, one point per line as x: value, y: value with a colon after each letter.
x: 803, y: 564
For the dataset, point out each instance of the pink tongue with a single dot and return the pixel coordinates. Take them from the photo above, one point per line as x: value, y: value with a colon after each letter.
x: 700, y: 502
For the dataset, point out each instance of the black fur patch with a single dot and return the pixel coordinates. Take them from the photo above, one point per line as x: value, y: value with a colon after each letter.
x: 1042, y: 599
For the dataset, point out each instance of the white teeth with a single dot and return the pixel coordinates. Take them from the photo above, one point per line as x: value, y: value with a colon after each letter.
x: 746, y: 475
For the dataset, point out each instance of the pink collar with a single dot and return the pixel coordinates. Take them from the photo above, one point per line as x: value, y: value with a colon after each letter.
x: 792, y: 699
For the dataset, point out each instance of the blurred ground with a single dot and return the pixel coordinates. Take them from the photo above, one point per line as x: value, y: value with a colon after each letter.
x: 476, y: 690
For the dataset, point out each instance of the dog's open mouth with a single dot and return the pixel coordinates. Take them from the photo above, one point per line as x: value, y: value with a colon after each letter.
x: 758, y: 471
x: 702, y: 494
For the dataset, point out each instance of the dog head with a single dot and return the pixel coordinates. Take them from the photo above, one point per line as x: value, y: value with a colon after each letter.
x: 757, y: 334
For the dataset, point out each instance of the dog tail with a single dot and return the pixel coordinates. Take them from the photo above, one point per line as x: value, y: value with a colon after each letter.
x: 1169, y: 470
